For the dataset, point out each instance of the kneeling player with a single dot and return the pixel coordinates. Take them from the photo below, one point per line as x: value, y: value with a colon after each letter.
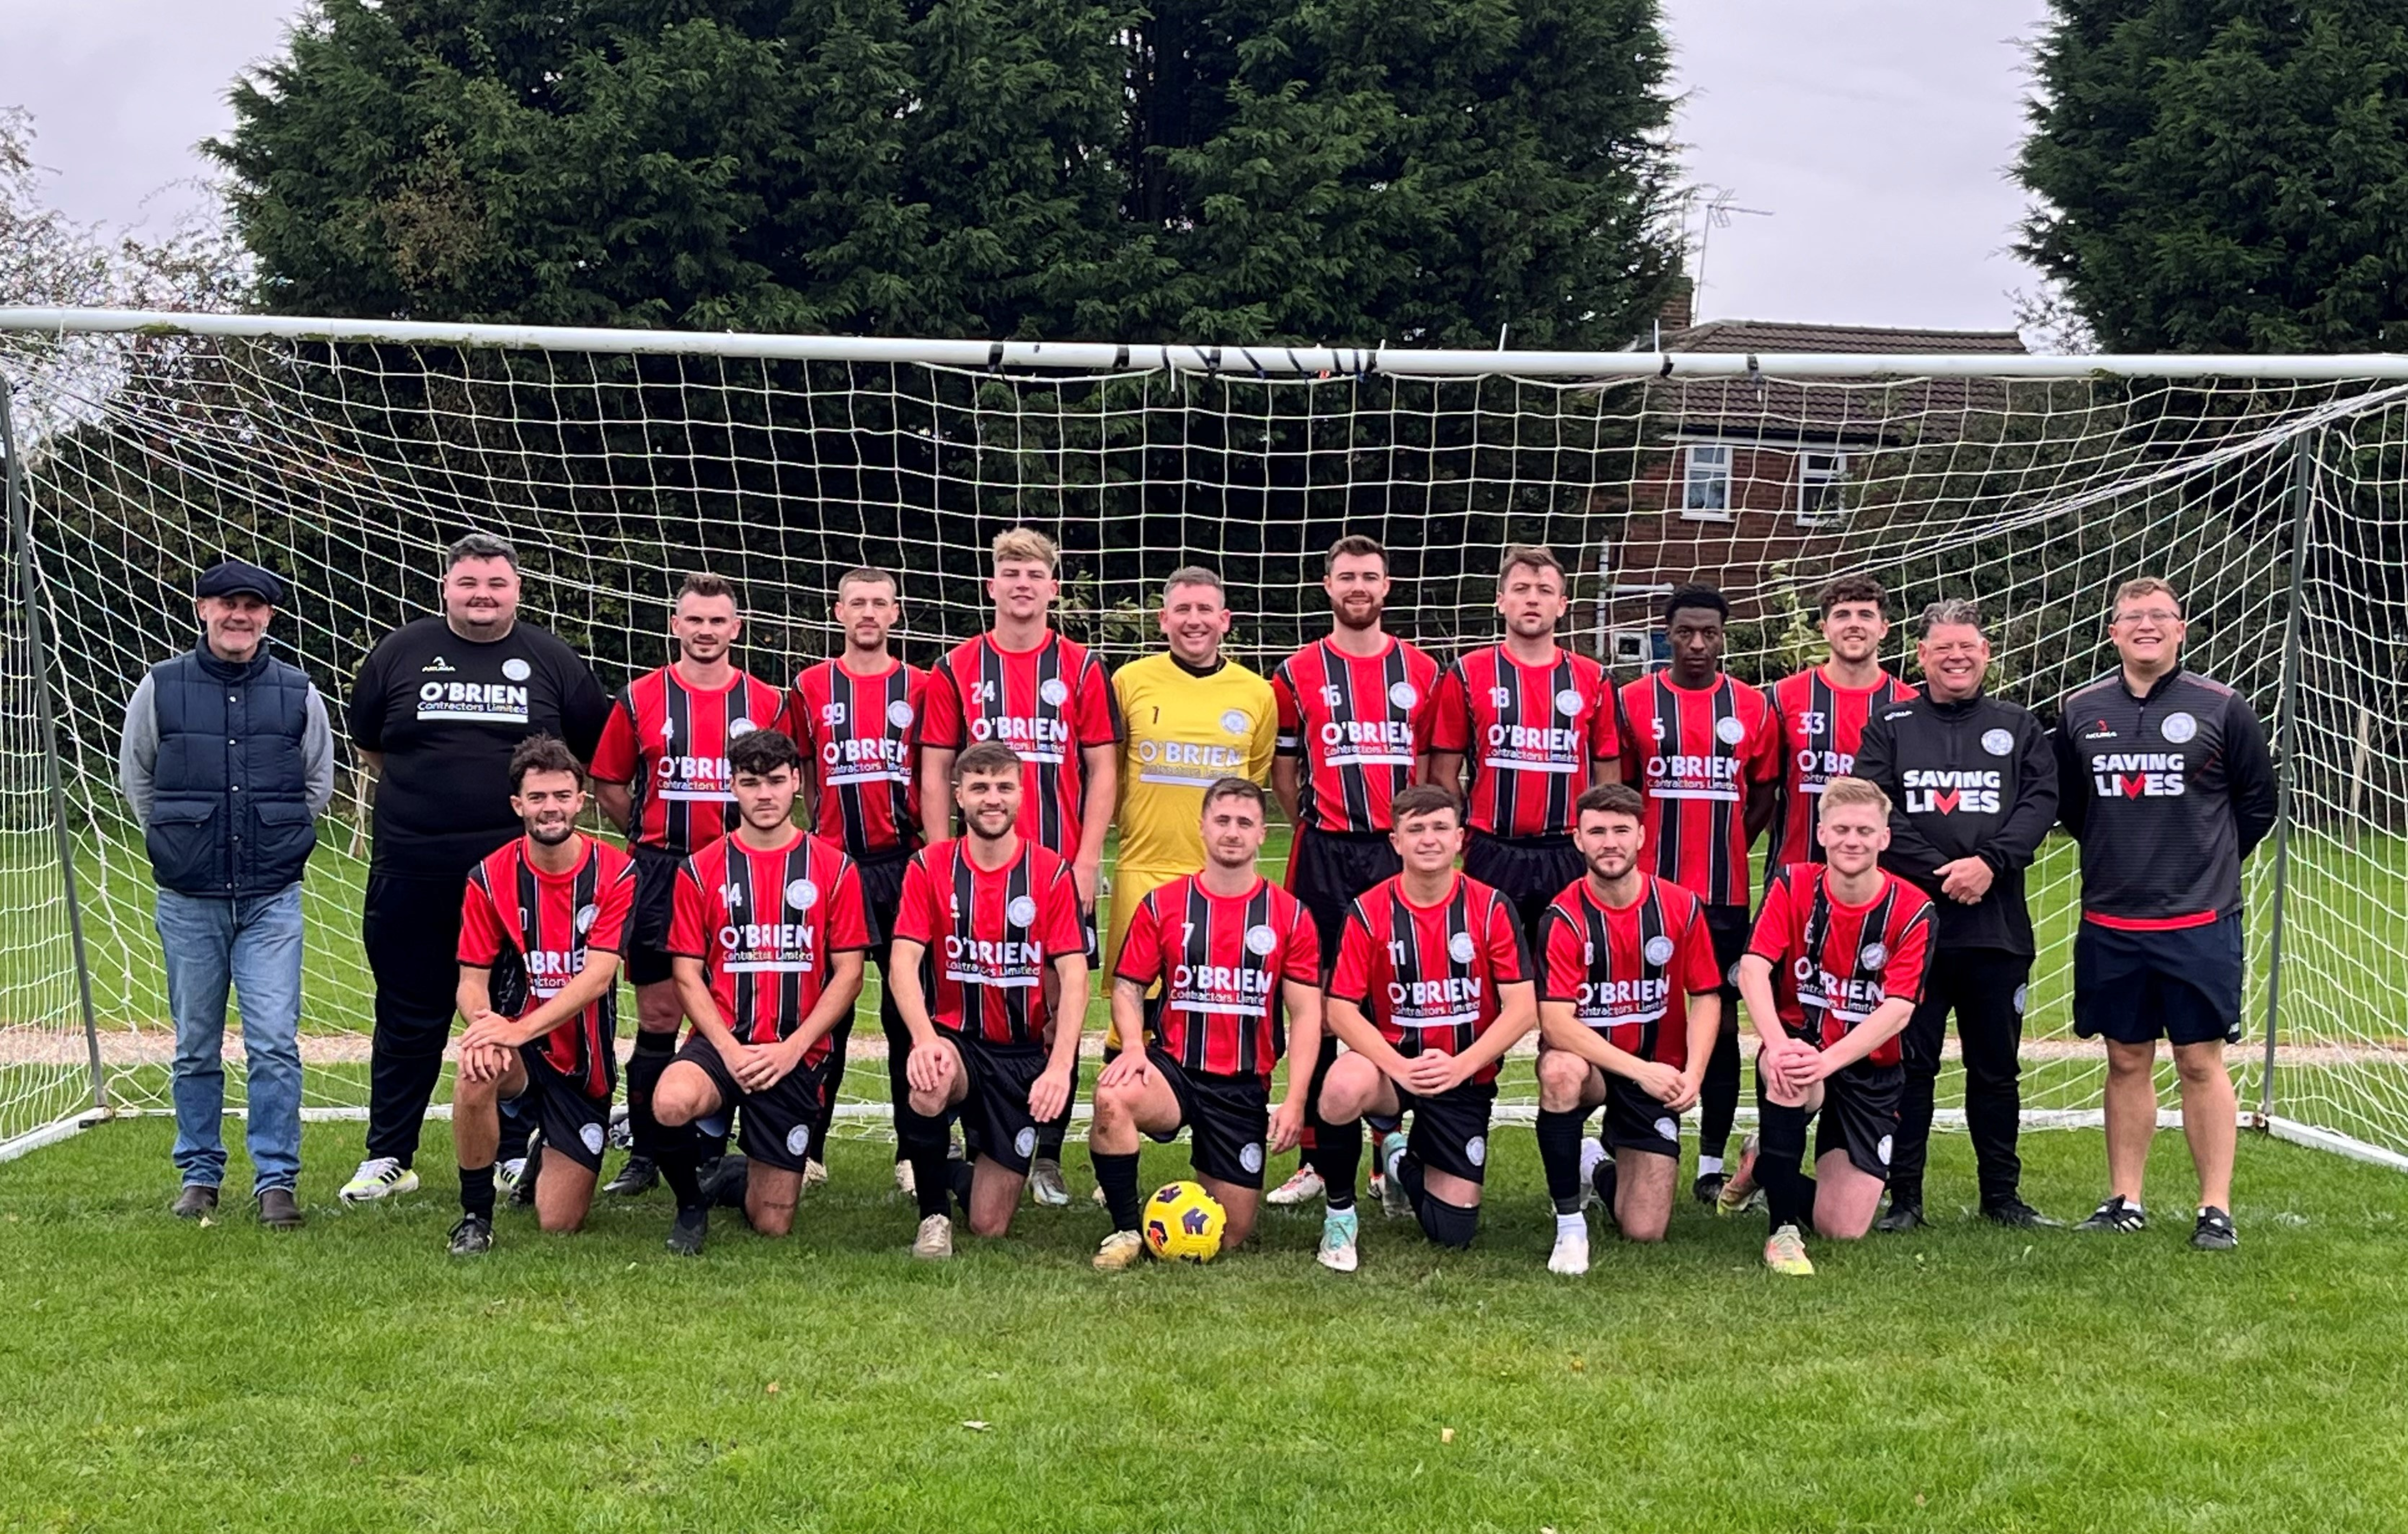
x: 1229, y: 948
x: 767, y: 945
x: 1831, y: 976
x: 984, y: 918
x: 1431, y: 989
x: 540, y: 928
x: 1628, y: 1013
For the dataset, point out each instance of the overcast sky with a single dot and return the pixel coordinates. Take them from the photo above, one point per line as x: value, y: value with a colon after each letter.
x: 1876, y: 134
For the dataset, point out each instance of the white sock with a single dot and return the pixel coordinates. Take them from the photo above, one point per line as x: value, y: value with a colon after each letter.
x: 1709, y: 1164
x: 1571, y: 1225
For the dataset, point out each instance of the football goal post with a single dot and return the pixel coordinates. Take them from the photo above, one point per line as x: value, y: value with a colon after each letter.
x: 2272, y: 492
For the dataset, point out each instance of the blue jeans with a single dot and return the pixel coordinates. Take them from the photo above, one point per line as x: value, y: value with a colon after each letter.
x: 254, y: 945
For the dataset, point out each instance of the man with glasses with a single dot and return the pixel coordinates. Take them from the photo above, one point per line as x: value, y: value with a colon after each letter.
x: 2166, y: 783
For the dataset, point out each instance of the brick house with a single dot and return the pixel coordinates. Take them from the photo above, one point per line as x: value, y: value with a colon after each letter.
x: 1740, y: 482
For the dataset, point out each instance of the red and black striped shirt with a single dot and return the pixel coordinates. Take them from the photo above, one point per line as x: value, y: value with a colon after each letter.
x: 1221, y: 960
x: 1430, y: 978
x: 1834, y: 965
x: 1693, y: 755
x: 669, y: 741
x: 1528, y: 733
x: 532, y: 930
x: 1358, y: 723
x: 857, y: 732
x: 1048, y: 704
x: 1629, y: 972
x: 1821, y: 725
x: 990, y: 937
x: 766, y: 925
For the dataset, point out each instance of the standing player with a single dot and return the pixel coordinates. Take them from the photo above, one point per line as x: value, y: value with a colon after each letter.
x: 540, y: 928
x: 1831, y: 975
x: 436, y: 711
x: 1027, y: 687
x: 1190, y: 716
x: 1975, y: 785
x: 1821, y: 711
x: 1229, y: 950
x: 768, y: 943
x: 1352, y: 707
x: 2165, y: 781
x: 853, y: 716
x: 661, y: 776
x: 1627, y: 1013
x: 1701, y: 747
x: 986, y: 919
x: 1536, y: 724
x: 1431, y: 989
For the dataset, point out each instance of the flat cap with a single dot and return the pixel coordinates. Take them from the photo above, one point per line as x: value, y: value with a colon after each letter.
x: 230, y: 576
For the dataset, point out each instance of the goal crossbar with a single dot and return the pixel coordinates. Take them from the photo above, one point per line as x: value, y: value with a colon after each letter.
x: 1250, y: 360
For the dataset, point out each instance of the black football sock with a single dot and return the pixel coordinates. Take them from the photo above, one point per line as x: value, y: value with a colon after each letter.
x: 1781, y: 1146
x: 1338, y: 1159
x: 958, y: 1177
x: 1445, y: 1224
x: 1050, y: 1136
x: 1607, y: 1179
x: 517, y: 1118
x: 1117, y: 1176
x: 477, y: 1190
x: 653, y: 1053
x: 922, y: 1141
x: 681, y: 1169
x: 1409, y: 1173
x: 1718, y: 1095
x: 1382, y: 1124
x: 1560, y: 1152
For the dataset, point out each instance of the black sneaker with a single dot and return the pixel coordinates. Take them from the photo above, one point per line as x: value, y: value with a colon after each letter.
x: 686, y: 1235
x: 1708, y: 1187
x: 2016, y: 1214
x: 638, y: 1176
x: 1904, y: 1214
x: 473, y: 1236
x: 2214, y: 1232
x: 523, y: 1196
x: 723, y: 1186
x: 2117, y: 1216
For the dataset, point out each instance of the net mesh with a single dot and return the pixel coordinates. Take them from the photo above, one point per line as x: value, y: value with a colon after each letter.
x: 347, y: 465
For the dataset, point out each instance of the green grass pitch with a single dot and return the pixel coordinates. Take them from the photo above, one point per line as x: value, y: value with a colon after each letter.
x: 158, y: 1375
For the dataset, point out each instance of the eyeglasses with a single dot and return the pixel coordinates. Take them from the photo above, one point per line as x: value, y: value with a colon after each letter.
x: 2154, y: 615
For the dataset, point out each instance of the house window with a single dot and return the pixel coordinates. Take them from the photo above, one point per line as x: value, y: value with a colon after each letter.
x: 1821, y: 477
x: 1706, y: 482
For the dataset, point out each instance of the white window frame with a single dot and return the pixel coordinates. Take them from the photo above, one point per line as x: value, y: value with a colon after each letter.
x: 1720, y: 465
x: 1630, y: 648
x: 1832, y: 477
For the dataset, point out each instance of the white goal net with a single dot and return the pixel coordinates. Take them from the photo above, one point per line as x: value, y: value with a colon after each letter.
x: 346, y: 454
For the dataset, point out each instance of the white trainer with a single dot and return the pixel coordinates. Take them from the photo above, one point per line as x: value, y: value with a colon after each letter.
x: 508, y: 1175
x: 1302, y: 1188
x: 1571, y: 1256
x: 1592, y: 1157
x: 906, y: 1182
x: 1338, y: 1230
x: 935, y: 1238
x: 378, y: 1177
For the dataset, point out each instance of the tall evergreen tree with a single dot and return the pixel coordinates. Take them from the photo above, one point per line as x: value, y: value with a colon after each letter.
x: 1247, y: 170
x: 2225, y: 174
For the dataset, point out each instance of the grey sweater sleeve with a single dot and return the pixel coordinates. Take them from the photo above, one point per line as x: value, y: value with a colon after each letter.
x: 318, y: 755
x: 137, y: 754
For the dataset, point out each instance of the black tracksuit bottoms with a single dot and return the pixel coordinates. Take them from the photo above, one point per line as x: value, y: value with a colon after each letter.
x: 1985, y: 988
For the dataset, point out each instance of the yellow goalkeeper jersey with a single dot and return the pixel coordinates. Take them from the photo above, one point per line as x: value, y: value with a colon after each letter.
x: 1182, y: 732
